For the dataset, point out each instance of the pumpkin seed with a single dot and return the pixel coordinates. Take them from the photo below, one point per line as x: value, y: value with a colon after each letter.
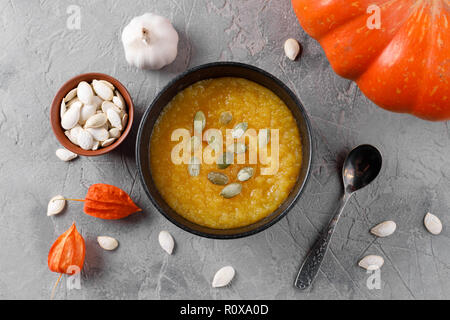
x: 231, y: 190
x: 97, y: 102
x: 225, y: 117
x: 56, y: 205
x: 71, y: 117
x: 107, y: 243
x: 245, y: 173
x: 62, y: 109
x: 371, y: 262
x: 124, y: 120
x: 263, y: 137
x: 85, y: 140
x: 102, y: 90
x: 225, y: 160
x: 194, y: 166
x: 84, y: 92
x: 86, y: 112
x: 196, y: 142
x: 238, y: 148
x: 114, y: 119
x: 199, y: 121
x: 70, y: 137
x: 65, y: 155
x: 218, y: 178
x: 433, y: 224
x: 99, y: 134
x: 109, y: 84
x: 114, y: 133
x: 239, y: 130
x: 223, y: 277
x: 96, y: 121
x: 166, y: 241
x: 108, y: 142
x: 291, y: 48
x: 106, y: 105
x: 75, y: 131
x: 96, y: 145
x: 72, y: 94
x: 384, y: 229
x: 118, y: 100
x: 71, y: 102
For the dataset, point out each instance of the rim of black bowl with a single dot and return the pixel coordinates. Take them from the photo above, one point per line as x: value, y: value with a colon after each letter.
x: 263, y: 226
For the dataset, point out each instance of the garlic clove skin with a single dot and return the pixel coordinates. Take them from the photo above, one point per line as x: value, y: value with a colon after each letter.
x: 150, y: 42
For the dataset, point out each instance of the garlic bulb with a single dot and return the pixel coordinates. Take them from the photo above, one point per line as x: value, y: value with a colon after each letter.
x: 150, y: 42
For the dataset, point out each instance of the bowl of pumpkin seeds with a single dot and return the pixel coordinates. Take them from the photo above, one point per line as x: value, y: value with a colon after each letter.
x: 92, y: 114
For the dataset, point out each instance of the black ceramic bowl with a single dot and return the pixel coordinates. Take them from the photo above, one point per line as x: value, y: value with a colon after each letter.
x: 216, y: 70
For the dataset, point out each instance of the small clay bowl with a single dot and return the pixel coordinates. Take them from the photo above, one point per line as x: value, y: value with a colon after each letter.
x: 55, y: 118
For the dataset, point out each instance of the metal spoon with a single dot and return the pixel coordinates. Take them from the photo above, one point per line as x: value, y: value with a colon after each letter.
x: 361, y: 167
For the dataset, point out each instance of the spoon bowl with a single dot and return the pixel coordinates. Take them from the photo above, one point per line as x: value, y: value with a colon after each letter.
x: 361, y: 167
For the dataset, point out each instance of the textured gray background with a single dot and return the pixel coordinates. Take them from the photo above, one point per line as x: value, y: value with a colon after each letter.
x: 38, y: 53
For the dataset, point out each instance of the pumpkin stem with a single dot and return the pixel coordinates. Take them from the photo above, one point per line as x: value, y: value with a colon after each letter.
x: 54, y: 287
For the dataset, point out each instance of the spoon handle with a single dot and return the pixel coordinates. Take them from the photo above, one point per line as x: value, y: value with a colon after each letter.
x: 310, y: 267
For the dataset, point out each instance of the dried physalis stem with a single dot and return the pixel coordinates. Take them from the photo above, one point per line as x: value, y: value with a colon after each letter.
x: 292, y: 49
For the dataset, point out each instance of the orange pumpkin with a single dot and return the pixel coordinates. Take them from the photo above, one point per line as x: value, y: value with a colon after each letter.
x: 403, y: 66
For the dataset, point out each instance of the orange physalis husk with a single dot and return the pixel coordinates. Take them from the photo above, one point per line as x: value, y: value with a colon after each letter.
x: 108, y: 202
x: 67, y: 253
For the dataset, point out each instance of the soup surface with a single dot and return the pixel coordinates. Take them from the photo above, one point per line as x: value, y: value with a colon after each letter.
x: 195, y: 197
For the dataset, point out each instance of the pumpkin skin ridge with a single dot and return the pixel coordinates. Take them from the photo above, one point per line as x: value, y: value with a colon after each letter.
x: 405, y: 86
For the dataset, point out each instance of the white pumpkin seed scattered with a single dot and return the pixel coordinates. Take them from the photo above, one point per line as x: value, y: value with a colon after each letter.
x: 99, y: 134
x: 166, y: 241
x: 114, y: 119
x: 108, y: 142
x: 85, y: 140
x: 384, y: 229
x: 102, y: 90
x: 107, y: 243
x: 56, y: 205
x: 114, y: 133
x: 433, y: 224
x: 245, y: 174
x: 96, y: 121
x: 65, y: 155
x: 72, y: 94
x: 84, y: 92
x: 371, y: 262
x: 223, y: 277
x: 291, y: 48
x: 71, y: 117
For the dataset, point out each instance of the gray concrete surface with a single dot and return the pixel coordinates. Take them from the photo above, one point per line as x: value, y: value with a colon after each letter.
x: 38, y: 53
